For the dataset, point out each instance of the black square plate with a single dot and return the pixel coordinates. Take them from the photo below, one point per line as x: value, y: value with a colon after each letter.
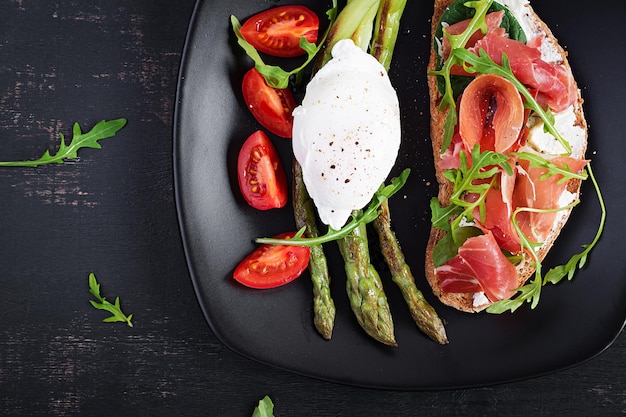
x: 574, y: 320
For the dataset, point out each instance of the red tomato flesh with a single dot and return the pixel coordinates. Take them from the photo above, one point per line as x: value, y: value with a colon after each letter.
x: 261, y: 176
x: 277, y: 31
x: 270, y: 266
x: 271, y: 107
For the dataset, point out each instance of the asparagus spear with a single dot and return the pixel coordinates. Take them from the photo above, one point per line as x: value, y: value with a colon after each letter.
x: 425, y: 316
x: 387, y: 29
x: 422, y: 312
x: 351, y: 23
x: 304, y: 212
x: 364, y: 288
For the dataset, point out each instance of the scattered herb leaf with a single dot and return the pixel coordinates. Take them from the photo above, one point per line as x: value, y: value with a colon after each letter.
x: 459, y: 11
x: 265, y: 408
x: 102, y: 130
x: 102, y: 304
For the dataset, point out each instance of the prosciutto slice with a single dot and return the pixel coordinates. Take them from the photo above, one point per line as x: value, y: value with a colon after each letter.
x: 499, y: 206
x: 491, y: 114
x: 533, y: 191
x: 554, y: 85
x: 479, y: 266
x: 450, y: 159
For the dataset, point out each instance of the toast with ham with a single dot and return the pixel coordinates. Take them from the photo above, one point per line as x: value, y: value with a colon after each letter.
x: 509, y: 215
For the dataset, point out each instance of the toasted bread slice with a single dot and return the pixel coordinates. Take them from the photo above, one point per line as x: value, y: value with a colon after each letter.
x: 552, y: 52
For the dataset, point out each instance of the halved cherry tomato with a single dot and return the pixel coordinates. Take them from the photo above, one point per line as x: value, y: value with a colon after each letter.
x: 261, y: 175
x: 277, y: 31
x: 271, y: 107
x: 270, y: 266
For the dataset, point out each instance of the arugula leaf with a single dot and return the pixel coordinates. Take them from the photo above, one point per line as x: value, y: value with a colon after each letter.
x: 274, y: 75
x: 484, y: 165
x: 440, y: 216
x: 102, y: 130
x: 359, y: 217
x: 265, y: 408
x: 552, y: 169
x: 530, y: 293
x: 103, y: 304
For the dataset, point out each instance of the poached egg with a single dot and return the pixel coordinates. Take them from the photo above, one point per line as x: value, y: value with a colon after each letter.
x: 346, y: 132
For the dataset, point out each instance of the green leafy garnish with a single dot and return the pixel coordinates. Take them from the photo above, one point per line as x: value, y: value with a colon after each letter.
x: 531, y: 292
x: 102, y: 304
x: 484, y: 165
x: 552, y: 169
x: 359, y: 217
x: 274, y: 75
x: 102, y: 130
x: 265, y: 408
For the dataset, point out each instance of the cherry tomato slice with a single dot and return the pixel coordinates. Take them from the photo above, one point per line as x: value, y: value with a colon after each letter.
x: 277, y: 31
x: 270, y: 266
x: 261, y: 175
x: 271, y: 107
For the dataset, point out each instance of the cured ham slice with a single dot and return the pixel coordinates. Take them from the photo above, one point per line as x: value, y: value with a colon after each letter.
x: 450, y: 159
x: 491, y: 114
x: 479, y: 266
x: 499, y: 206
x: 534, y: 191
x: 554, y: 84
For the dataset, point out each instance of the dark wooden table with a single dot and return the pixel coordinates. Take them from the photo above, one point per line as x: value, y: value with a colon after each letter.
x: 112, y: 212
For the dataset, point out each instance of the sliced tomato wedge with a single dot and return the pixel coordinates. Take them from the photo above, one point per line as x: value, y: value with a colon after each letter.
x: 270, y: 266
x: 271, y: 107
x: 261, y: 176
x: 277, y: 31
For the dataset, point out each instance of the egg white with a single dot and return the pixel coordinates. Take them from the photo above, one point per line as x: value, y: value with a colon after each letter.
x: 346, y: 132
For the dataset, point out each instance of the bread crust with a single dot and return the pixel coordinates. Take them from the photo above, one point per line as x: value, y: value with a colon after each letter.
x: 465, y: 301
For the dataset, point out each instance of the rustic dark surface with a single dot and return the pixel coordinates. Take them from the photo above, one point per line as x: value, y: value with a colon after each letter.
x: 113, y: 213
